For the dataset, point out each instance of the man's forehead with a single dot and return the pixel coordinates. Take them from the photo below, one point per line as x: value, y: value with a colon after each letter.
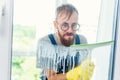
x: 63, y: 15
x: 66, y: 16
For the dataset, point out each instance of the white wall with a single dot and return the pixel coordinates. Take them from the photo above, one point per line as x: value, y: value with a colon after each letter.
x: 5, y: 41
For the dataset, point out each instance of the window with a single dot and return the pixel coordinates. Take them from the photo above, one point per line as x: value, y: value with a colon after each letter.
x: 31, y: 22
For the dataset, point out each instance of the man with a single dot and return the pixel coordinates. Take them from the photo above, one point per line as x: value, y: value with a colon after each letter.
x: 56, y: 64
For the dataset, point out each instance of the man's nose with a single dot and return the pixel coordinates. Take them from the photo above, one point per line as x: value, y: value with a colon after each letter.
x: 70, y: 29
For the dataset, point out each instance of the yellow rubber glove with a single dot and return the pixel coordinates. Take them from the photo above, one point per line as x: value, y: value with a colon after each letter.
x: 81, y: 72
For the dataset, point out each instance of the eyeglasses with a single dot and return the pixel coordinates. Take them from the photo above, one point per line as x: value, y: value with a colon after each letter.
x: 65, y: 26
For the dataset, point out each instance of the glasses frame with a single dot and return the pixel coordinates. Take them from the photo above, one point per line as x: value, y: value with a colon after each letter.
x: 68, y: 27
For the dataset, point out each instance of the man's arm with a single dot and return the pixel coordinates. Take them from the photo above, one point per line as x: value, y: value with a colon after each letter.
x: 83, y: 71
x: 51, y: 75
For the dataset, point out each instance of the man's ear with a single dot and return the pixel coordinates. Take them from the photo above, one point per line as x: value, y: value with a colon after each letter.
x: 55, y: 24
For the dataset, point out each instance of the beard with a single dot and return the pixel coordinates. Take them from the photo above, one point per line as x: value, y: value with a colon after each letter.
x: 64, y: 41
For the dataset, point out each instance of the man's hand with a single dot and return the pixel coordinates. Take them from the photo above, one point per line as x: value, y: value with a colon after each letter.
x: 81, y: 72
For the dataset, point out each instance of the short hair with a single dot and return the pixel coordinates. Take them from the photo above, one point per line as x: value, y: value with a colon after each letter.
x: 65, y: 8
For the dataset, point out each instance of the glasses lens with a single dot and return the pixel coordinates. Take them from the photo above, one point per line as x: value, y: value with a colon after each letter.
x: 75, y: 26
x: 65, y: 26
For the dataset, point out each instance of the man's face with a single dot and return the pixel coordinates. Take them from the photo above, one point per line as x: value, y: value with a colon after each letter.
x: 66, y: 36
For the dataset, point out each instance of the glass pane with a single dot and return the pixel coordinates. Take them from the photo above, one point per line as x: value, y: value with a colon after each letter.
x: 96, y: 16
x: 30, y: 23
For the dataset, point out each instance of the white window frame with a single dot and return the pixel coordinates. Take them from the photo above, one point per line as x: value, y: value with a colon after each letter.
x: 116, y: 61
x: 6, y: 39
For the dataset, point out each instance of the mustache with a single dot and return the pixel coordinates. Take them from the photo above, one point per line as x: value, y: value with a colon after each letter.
x: 69, y: 34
